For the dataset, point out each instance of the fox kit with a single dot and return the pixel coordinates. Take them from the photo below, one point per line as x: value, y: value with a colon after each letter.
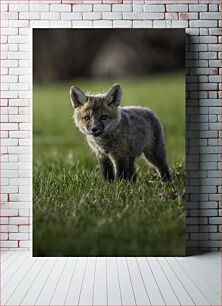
x: 118, y: 135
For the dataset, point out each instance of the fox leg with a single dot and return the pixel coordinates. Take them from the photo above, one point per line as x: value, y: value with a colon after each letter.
x: 106, y: 167
x: 125, y: 168
x: 158, y: 160
x: 132, y: 170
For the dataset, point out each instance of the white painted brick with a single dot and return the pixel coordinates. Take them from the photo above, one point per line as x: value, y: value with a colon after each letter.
x: 19, y: 71
x: 180, y: 23
x: 102, y: 7
x: 154, y: 8
x: 39, y: 24
x: 147, y: 24
x: 13, y: 157
x: 112, y: 15
x: 197, y: 7
x: 9, y: 63
x: 171, y: 16
x: 9, y: 173
x: 9, y: 31
x: 9, y: 244
x: 29, y: 15
x: 13, y: 47
x: 82, y: 8
x: 24, y: 229
x: 4, y: 134
x: 20, y: 182
x: 213, y: 7
x: 25, y: 126
x: 19, y: 86
x: 19, y: 118
x: 137, y: 23
x: 4, y: 7
x: 50, y: 16
x: 19, y: 102
x: 122, y: 23
x: 25, y: 244
x: 71, y: 16
x: 18, y: 236
x: 25, y: 157
x: 177, y: 8
x: 82, y: 24
x: 36, y: 7
x: 24, y: 212
x: 26, y: 47
x: 102, y: 23
x: 122, y: 7
x: 162, y: 23
x: 207, y: 15
x: 19, y: 149
x: 9, y: 212
x: 8, y: 228
x: 18, y: 23
x: 203, y: 23
x: 60, y: 8
x: 9, y: 94
x: 133, y: 15
x: 9, y: 126
x: 9, y: 142
x: 215, y: 63
x: 92, y: 15
x: 19, y: 7
x: 3, y: 220
x: 60, y: 24
x: 137, y: 7
x: 19, y: 39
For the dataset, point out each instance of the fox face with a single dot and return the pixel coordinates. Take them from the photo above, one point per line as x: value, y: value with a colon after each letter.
x: 96, y: 114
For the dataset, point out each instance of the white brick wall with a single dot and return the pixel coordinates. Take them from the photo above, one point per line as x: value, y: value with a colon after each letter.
x: 200, y: 18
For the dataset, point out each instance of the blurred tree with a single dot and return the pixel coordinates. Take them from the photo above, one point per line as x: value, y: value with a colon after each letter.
x: 61, y: 54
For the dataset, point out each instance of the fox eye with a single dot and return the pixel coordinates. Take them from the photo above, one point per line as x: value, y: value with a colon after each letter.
x: 104, y: 117
x: 86, y: 118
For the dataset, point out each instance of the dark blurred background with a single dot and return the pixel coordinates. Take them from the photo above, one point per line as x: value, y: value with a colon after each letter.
x: 63, y: 54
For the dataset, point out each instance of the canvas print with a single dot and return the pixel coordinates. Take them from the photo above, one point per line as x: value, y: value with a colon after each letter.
x: 108, y: 142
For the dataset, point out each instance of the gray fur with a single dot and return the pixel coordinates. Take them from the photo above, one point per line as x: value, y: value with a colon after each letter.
x: 127, y: 134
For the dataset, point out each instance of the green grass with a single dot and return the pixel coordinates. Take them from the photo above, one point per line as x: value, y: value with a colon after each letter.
x: 75, y: 212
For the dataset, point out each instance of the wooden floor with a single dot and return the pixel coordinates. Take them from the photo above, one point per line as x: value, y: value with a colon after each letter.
x: 110, y: 281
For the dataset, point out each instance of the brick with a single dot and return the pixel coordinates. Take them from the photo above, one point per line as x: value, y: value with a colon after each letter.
x: 71, y: 16
x: 133, y: 15
x: 53, y: 16
x: 137, y: 8
x: 203, y: 23
x: 60, y: 24
x: 9, y: 244
x: 197, y: 7
x: 102, y: 23
x: 122, y: 7
x: 180, y: 23
x: 154, y: 8
x: 177, y: 8
x: 60, y: 8
x: 82, y: 8
x: 9, y: 126
x: 92, y: 15
x: 122, y: 23
x: 20, y: 7
x: 102, y: 7
x: 82, y: 24
x: 18, y: 236
x: 216, y: 16
x: 112, y: 15
x: 43, y: 7
x: 29, y: 15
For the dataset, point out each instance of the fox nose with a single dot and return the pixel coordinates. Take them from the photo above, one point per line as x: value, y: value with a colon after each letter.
x: 94, y: 129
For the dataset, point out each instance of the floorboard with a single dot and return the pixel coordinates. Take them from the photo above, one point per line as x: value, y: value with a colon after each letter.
x: 27, y: 280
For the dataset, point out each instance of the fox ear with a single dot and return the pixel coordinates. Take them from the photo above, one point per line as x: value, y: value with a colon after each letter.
x: 114, y: 95
x: 78, y: 98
